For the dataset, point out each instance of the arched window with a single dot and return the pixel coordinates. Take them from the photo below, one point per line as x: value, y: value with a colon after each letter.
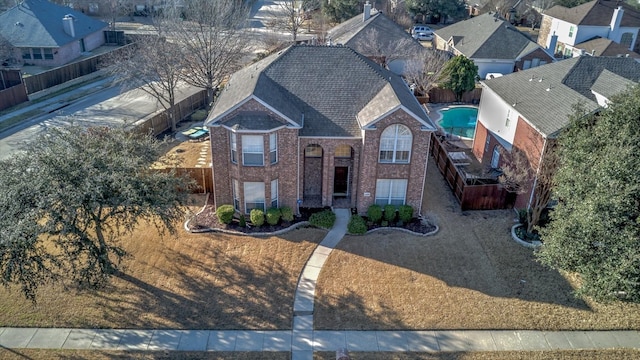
x: 395, y: 144
x: 626, y: 39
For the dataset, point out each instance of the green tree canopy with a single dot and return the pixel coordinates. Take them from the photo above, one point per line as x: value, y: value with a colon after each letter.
x: 459, y: 75
x: 66, y: 203
x: 595, y: 228
x: 341, y: 10
x: 439, y: 9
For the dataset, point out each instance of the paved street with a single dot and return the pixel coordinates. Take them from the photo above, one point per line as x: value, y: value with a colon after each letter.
x: 105, y: 106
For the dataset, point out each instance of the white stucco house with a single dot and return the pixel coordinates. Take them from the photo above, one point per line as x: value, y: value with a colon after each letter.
x: 564, y: 31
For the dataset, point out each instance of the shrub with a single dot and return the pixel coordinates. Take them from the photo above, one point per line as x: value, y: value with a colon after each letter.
x: 356, y: 225
x: 374, y: 213
x: 405, y: 213
x: 389, y: 212
x: 287, y: 213
x: 243, y: 221
x: 199, y: 115
x: 522, y: 216
x: 384, y: 223
x: 257, y: 217
x: 273, y: 216
x: 225, y: 213
x: 323, y: 219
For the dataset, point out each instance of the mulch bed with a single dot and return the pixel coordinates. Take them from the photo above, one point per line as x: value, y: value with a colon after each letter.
x: 207, y: 219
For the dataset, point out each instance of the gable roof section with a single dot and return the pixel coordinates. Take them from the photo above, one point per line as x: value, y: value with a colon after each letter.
x: 488, y: 36
x: 568, y: 82
x: 327, y: 86
x: 38, y: 23
x: 595, y: 13
x: 609, y: 84
x: 355, y: 32
x: 606, y: 47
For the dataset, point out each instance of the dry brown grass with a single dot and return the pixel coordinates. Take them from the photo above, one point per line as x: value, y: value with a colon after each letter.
x: 471, y: 275
x: 493, y: 355
x: 208, y: 281
x: 185, y: 154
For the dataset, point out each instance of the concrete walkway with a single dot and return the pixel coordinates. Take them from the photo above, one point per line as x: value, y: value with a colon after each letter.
x: 303, y: 340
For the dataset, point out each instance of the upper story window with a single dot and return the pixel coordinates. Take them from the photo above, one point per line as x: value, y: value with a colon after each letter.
x: 252, y: 150
x: 273, y: 148
x: 626, y: 39
x: 395, y: 144
x: 572, y: 30
x: 234, y: 148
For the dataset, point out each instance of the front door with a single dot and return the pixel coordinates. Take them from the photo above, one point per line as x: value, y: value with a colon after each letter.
x: 341, y: 181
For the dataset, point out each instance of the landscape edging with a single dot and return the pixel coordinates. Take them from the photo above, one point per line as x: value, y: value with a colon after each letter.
x: 521, y: 242
x: 399, y: 229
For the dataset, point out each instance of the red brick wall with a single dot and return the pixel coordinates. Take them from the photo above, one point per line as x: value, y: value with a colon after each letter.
x: 538, y: 53
x: 479, y: 143
x: 531, y: 142
x: 371, y: 169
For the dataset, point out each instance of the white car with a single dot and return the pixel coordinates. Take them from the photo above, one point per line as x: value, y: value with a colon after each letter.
x: 421, y: 29
x: 420, y: 36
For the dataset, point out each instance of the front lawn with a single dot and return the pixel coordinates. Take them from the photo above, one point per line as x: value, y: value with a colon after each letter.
x: 207, y: 281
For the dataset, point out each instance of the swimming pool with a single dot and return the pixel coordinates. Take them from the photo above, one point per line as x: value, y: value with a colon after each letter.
x: 459, y: 120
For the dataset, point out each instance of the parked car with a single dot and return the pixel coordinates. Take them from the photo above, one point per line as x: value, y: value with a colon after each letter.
x: 421, y: 29
x: 423, y: 36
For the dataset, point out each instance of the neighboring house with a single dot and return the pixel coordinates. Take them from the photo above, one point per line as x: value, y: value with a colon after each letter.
x: 47, y: 34
x: 605, y: 47
x: 318, y: 126
x: 494, y: 45
x: 528, y: 109
x: 564, y: 30
x: 379, y: 38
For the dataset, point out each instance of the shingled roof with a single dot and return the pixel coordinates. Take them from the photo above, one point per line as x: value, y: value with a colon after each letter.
x: 488, y: 36
x: 595, y: 13
x: 38, y: 23
x: 545, y: 95
x: 326, y: 90
x: 606, y: 47
x: 356, y: 31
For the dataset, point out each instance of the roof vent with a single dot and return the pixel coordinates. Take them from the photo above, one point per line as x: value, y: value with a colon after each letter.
x: 540, y: 80
x: 18, y: 23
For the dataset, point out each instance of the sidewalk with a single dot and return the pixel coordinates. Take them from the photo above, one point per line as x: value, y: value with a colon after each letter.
x: 302, y: 347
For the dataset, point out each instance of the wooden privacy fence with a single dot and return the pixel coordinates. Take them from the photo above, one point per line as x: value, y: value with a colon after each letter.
x: 470, y: 194
x: 13, y: 96
x: 438, y: 95
x: 158, y: 123
x: 62, y: 74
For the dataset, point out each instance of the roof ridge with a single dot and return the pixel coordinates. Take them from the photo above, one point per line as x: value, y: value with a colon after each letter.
x: 376, y: 69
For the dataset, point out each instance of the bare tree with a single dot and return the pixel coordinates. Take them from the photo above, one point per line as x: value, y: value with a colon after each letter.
x: 383, y: 52
x: 154, y: 65
x: 7, y: 52
x: 520, y: 176
x: 289, y: 17
x: 212, y: 40
x: 425, y: 70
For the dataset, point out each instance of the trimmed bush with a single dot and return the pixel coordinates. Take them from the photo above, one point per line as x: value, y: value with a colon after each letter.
x: 287, y: 213
x: 374, y: 213
x: 357, y: 225
x: 225, y: 213
x: 243, y: 221
x: 323, y: 219
x: 257, y: 217
x: 273, y: 216
x: 405, y: 213
x: 389, y: 212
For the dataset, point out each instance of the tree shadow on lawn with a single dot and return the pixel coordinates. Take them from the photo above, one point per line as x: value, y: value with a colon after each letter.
x: 232, y: 297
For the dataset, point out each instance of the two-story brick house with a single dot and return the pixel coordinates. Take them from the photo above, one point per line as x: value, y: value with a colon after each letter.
x: 317, y: 126
x: 527, y: 110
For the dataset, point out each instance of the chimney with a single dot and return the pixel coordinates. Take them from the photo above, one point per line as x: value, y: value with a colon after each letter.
x: 67, y: 24
x: 367, y: 11
x: 616, y: 19
x: 552, y: 43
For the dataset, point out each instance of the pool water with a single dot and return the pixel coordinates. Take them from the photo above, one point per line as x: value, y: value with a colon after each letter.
x: 459, y: 121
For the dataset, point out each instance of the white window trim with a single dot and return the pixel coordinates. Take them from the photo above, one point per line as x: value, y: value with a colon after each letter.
x: 388, y: 198
x: 274, y: 194
x: 273, y: 147
x: 235, y: 189
x: 249, y: 193
x: 245, y: 148
x: 394, y: 160
x: 234, y: 147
